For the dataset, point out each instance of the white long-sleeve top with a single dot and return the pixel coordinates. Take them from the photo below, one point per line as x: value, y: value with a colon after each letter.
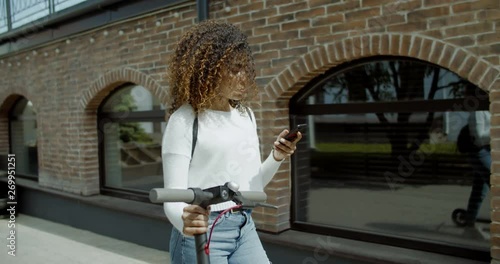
x: 227, y: 149
x: 479, y: 126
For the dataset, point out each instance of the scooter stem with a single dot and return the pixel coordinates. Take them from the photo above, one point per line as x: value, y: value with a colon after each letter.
x: 200, y: 242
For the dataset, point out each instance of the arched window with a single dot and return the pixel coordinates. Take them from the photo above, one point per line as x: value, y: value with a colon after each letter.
x: 23, y: 139
x: 131, y: 124
x: 380, y: 162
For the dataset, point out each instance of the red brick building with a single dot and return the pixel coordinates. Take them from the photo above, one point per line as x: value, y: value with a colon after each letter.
x: 68, y: 67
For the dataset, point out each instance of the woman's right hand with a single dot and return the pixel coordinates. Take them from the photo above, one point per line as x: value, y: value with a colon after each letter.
x: 195, y: 220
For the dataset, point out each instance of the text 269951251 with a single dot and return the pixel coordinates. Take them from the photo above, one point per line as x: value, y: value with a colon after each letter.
x: 11, y: 204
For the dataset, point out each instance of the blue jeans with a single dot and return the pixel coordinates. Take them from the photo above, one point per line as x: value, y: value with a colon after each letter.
x: 481, y: 164
x: 234, y: 240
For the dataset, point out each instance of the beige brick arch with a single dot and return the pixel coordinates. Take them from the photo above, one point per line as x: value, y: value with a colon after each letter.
x: 466, y: 64
x: 8, y: 98
x: 92, y: 97
x: 278, y: 92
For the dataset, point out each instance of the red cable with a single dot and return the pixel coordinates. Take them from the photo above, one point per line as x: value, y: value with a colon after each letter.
x: 207, y: 250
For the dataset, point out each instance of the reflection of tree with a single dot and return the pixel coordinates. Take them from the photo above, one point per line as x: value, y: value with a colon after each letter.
x: 130, y: 131
x: 387, y: 81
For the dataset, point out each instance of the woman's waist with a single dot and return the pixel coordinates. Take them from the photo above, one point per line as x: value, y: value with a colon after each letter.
x: 219, y: 207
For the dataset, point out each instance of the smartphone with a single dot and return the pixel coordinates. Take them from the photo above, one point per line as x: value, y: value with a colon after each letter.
x: 292, y: 135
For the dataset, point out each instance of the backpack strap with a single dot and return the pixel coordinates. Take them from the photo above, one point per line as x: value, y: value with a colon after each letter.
x: 195, y: 134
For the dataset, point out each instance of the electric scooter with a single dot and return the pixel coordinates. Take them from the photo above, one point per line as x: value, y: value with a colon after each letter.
x: 206, y: 197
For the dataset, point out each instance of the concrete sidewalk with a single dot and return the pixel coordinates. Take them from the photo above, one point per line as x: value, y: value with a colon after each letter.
x: 42, y: 241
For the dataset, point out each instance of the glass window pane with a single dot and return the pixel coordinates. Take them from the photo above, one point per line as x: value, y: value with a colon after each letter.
x: 132, y: 98
x: 63, y: 4
x: 133, y: 155
x: 23, y: 138
x: 395, y: 172
x: 23, y: 12
x: 384, y: 178
x: 3, y: 17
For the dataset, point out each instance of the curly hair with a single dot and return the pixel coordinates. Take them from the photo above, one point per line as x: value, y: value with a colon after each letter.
x: 202, y: 60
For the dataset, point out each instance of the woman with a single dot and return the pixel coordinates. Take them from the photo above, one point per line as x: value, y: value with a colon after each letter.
x: 212, y: 76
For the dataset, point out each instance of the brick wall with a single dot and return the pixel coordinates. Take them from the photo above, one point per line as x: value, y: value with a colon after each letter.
x: 293, y: 41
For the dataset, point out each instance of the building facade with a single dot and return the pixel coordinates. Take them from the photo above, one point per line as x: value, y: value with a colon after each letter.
x: 383, y: 85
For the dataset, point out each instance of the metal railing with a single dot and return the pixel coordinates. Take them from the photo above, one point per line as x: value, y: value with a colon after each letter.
x: 17, y: 13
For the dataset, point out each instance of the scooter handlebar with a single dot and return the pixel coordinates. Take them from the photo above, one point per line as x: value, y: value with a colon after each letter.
x: 205, y: 198
x: 160, y: 195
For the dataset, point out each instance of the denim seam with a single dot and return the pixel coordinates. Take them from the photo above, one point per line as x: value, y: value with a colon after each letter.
x: 176, y: 245
x: 183, y: 248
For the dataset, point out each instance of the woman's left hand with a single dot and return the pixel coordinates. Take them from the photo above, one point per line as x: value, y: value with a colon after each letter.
x: 284, y: 148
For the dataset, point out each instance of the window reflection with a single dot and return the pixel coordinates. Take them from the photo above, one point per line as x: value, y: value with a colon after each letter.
x: 133, y: 155
x: 23, y: 140
x: 132, y: 144
x: 395, y: 172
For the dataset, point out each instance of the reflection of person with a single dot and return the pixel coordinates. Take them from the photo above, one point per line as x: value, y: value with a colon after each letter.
x: 211, y: 77
x: 479, y: 126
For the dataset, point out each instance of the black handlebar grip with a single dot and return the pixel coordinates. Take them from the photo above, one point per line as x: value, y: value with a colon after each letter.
x: 158, y: 195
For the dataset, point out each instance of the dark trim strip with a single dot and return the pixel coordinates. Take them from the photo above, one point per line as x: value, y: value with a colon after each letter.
x: 143, y: 116
x: 125, y: 194
x: 28, y: 177
x: 447, y: 105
